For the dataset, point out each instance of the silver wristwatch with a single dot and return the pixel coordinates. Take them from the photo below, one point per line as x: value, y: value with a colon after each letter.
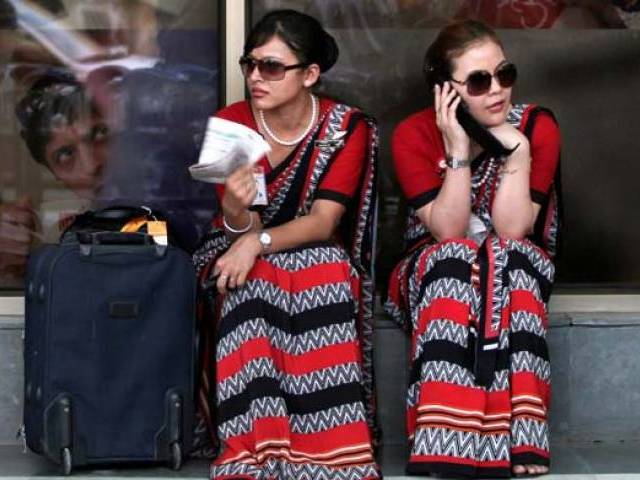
x: 455, y: 163
x: 265, y: 241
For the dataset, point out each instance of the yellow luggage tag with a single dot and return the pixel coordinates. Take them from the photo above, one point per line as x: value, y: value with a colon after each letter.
x: 158, y: 230
x: 134, y: 225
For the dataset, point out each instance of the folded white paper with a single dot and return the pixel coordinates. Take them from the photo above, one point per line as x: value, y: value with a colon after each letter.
x: 227, y: 145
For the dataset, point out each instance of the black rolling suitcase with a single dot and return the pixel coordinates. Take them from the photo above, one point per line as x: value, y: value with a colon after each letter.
x: 109, y: 350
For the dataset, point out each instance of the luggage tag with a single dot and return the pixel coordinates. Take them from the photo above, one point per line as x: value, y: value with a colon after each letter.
x: 261, y: 187
x: 134, y: 225
x: 158, y: 230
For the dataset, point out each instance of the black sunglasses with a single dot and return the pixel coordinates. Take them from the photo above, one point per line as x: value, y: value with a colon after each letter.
x: 479, y: 81
x: 269, y: 69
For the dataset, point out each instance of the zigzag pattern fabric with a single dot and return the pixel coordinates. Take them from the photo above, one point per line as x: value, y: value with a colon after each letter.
x: 295, y: 399
x: 459, y: 425
x: 280, y: 469
x: 476, y: 311
x: 291, y: 344
x: 293, y: 364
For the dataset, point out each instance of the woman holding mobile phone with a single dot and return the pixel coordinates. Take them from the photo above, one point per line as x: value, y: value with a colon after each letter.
x: 473, y: 286
x: 292, y: 280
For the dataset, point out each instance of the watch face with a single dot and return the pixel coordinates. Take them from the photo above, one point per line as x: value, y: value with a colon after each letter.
x: 265, y: 239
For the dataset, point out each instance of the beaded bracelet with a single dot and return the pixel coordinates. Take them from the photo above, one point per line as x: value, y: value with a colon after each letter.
x: 241, y: 230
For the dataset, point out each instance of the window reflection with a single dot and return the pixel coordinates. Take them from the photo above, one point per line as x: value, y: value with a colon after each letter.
x: 102, y: 103
x: 577, y: 57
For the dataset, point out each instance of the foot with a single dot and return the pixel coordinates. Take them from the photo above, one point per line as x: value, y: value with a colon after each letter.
x: 530, y: 469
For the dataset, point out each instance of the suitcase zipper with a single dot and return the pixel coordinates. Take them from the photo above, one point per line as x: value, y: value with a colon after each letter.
x: 45, y: 380
x: 35, y: 345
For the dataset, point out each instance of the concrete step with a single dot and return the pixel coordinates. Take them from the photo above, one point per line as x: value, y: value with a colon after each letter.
x: 11, y: 371
x: 594, y: 358
x: 594, y: 365
x: 570, y: 462
x: 594, y: 414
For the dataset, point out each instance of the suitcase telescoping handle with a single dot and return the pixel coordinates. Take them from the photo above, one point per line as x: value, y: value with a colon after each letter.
x: 117, y: 242
x: 122, y: 213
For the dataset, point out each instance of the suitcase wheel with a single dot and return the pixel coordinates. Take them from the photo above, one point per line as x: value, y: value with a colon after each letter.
x: 66, y: 461
x: 176, y: 456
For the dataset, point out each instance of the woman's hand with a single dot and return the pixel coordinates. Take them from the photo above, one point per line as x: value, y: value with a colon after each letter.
x: 240, y: 191
x: 511, y: 137
x: 456, y: 140
x: 233, y: 267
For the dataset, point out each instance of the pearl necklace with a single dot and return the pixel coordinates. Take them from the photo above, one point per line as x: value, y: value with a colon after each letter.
x: 485, y: 175
x: 295, y: 141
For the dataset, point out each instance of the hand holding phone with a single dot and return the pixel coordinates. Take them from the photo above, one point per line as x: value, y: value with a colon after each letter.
x: 456, y: 140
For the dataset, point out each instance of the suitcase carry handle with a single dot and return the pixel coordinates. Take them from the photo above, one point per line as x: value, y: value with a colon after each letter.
x: 107, y: 243
x: 108, y: 219
x: 114, y: 238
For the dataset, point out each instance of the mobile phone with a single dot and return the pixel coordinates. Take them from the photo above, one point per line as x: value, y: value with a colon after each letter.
x: 480, y: 134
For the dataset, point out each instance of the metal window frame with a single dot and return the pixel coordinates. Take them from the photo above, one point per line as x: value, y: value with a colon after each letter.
x: 236, y: 18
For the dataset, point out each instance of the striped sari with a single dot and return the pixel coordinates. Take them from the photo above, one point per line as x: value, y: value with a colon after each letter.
x: 479, y: 391
x: 293, y: 369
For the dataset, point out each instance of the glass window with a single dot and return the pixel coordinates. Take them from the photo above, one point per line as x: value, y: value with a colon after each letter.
x: 102, y: 102
x: 577, y: 58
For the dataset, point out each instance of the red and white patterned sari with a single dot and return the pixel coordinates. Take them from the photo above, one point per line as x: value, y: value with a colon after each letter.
x: 479, y: 387
x: 293, y: 377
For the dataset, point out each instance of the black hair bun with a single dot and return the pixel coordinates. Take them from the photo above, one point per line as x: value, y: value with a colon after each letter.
x: 329, y: 55
x: 301, y: 32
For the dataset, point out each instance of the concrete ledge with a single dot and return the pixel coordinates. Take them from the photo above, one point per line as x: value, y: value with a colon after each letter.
x: 556, y: 320
x: 597, y: 303
x: 569, y: 462
x: 12, y: 305
x: 11, y: 322
x: 560, y: 303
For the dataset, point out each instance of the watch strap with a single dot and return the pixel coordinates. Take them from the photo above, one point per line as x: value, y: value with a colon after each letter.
x: 265, y: 241
x: 456, y: 163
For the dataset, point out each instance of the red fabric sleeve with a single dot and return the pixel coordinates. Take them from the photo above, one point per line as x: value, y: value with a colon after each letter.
x: 417, y: 150
x: 545, y: 153
x: 239, y: 112
x: 342, y: 180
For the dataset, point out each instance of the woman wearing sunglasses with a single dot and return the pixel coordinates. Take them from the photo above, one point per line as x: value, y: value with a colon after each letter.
x: 473, y: 286
x: 293, y: 351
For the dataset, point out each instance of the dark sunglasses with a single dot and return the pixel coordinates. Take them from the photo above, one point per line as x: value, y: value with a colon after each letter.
x: 269, y: 69
x: 479, y: 81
